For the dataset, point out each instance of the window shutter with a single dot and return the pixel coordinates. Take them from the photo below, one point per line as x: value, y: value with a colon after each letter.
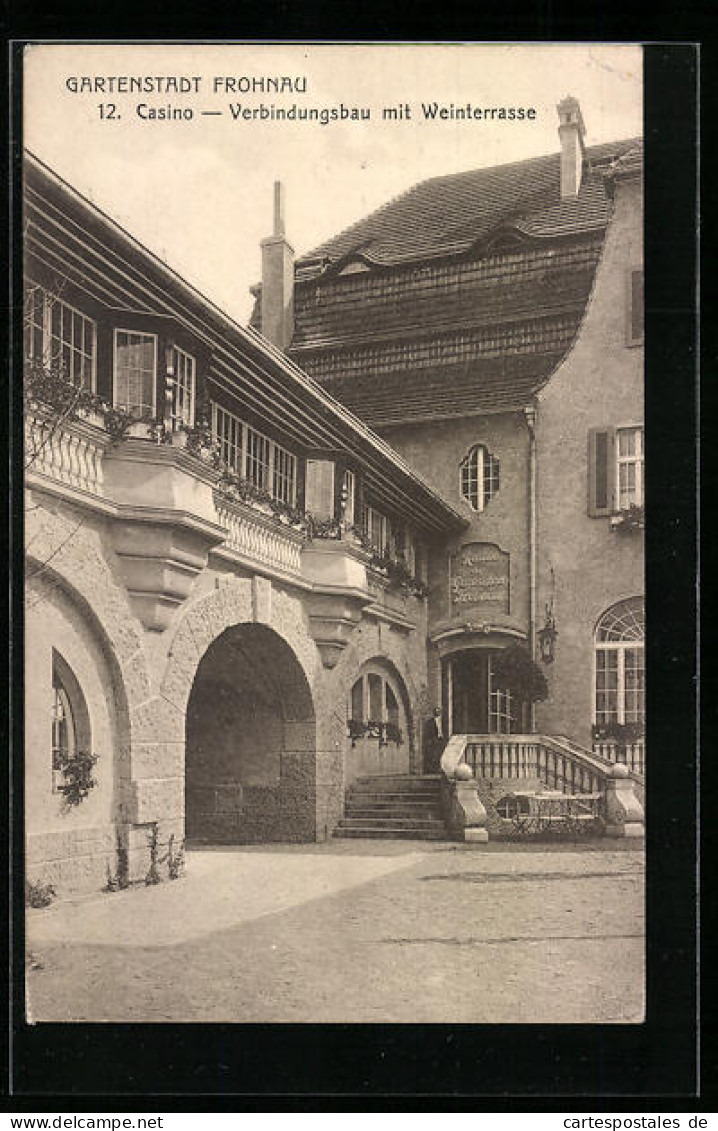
x: 635, y: 323
x: 319, y: 488
x: 601, y: 471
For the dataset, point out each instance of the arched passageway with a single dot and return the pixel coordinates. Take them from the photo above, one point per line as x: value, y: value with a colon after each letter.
x: 250, y: 742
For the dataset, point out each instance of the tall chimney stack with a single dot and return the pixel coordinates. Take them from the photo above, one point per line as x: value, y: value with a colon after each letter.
x: 278, y: 279
x: 571, y: 131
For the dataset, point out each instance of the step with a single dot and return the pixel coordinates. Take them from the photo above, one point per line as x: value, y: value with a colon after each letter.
x: 390, y: 823
x: 399, y: 777
x: 394, y: 797
x: 365, y: 832
x: 399, y: 781
x: 392, y: 811
x: 395, y: 790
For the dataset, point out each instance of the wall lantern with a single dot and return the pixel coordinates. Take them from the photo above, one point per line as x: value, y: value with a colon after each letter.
x: 547, y: 637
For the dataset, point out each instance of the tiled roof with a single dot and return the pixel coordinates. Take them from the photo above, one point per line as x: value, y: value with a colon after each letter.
x: 496, y: 384
x: 448, y: 215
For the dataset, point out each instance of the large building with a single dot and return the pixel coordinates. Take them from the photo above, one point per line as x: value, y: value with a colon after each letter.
x: 489, y: 325
x: 259, y: 558
x: 201, y: 619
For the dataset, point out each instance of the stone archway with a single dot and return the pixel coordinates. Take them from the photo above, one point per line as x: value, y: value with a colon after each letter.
x: 379, y: 721
x: 250, y: 760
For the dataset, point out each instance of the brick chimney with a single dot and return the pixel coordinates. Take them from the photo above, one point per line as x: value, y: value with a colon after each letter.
x: 278, y: 279
x: 571, y: 131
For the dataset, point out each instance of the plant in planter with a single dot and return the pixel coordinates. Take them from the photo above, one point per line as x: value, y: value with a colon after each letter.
x: 518, y: 672
x: 357, y: 730
x: 633, y: 518
x: 77, y: 773
x: 323, y: 528
x: 621, y: 733
x: 398, y: 574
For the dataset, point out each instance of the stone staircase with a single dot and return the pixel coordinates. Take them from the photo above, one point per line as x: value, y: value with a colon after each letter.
x: 394, y: 806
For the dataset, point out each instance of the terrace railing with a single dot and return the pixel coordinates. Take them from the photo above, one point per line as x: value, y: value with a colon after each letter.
x: 554, y: 763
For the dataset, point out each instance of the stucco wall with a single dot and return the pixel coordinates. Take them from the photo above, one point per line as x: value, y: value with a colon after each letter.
x: 137, y: 684
x: 600, y: 383
x: 436, y: 450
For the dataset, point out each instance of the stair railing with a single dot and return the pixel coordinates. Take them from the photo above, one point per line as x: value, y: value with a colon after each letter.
x: 557, y: 763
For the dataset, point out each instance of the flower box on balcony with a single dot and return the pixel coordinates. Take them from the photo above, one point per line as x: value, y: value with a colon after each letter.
x: 632, y: 518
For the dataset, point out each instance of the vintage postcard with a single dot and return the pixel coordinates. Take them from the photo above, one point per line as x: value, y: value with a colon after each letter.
x: 334, y: 468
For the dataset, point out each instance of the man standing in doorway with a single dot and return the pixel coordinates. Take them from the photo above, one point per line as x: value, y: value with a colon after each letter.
x: 434, y: 743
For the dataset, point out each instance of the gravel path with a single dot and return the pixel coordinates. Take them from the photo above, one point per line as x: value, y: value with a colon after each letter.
x: 354, y: 932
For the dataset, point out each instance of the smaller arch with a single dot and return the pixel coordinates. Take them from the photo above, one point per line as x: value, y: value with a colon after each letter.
x: 71, y: 730
x: 626, y: 620
x: 380, y: 725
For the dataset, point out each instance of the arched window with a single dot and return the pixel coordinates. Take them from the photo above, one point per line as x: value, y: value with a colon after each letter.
x: 375, y: 710
x: 70, y: 719
x: 479, y: 476
x: 620, y: 668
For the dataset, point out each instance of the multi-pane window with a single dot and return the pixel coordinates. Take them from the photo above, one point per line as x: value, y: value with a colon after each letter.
x: 255, y: 457
x: 257, y: 468
x: 374, y: 699
x: 63, y: 732
x: 392, y: 706
x: 620, y: 669
x: 501, y: 707
x: 227, y: 434
x: 284, y: 476
x: 629, y: 467
x: 376, y: 712
x: 69, y: 718
x: 479, y: 477
x: 375, y: 526
x: 357, y: 701
x: 135, y: 372
x: 60, y: 337
x: 183, y: 392
x: 348, y: 496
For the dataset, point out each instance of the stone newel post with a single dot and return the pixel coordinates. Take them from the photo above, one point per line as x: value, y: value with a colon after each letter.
x: 464, y: 813
x: 624, y: 812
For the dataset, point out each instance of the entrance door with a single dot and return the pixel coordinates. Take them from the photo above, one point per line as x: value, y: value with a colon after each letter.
x: 469, y: 680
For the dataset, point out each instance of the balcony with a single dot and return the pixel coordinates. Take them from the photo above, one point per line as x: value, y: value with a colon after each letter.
x: 171, y: 508
x: 67, y: 455
x: 393, y: 604
x: 255, y: 537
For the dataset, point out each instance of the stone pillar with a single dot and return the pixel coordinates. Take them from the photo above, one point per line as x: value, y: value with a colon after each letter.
x: 624, y: 812
x: 464, y: 813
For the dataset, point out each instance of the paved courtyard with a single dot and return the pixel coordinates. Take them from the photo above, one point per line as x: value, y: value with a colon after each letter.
x: 355, y: 931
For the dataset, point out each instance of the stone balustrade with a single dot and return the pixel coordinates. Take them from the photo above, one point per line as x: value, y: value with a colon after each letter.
x: 558, y: 764
x: 631, y: 754
x: 259, y: 537
x: 69, y: 453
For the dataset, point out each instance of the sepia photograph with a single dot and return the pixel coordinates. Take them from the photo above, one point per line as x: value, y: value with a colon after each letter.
x: 334, y: 533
